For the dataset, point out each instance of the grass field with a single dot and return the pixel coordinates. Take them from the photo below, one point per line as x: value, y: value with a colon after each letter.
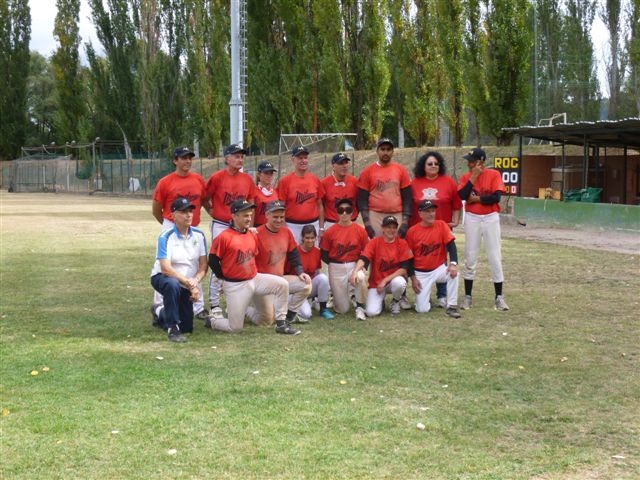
x: 548, y: 390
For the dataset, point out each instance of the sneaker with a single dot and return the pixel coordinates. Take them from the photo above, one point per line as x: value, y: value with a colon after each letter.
x: 405, y: 304
x: 395, y: 307
x: 329, y: 302
x: 315, y: 304
x: 501, y: 305
x: 353, y: 301
x: 360, y: 314
x: 299, y: 319
x: 155, y: 320
x: 287, y: 329
x: 203, y: 315
x: 442, y: 302
x: 175, y: 335
x: 327, y: 314
x: 467, y: 303
x: 453, y: 312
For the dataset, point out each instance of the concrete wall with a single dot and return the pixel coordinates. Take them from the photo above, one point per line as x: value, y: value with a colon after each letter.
x: 596, y: 216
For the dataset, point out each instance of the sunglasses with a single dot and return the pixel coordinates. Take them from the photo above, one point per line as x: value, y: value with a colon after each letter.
x: 431, y: 164
x: 344, y: 210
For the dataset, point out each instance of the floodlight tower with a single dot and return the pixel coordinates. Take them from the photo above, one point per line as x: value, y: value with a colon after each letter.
x: 237, y: 104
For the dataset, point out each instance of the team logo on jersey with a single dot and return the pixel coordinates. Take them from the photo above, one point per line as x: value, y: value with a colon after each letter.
x: 425, y: 249
x: 382, y: 185
x: 386, y: 266
x: 244, y: 257
x: 302, y: 197
x: 229, y: 198
x: 430, y: 193
x: 342, y: 250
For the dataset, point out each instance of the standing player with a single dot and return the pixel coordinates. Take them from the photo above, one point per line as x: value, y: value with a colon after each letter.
x: 276, y: 246
x: 223, y: 188
x: 430, y: 240
x: 340, y: 247
x: 232, y: 259
x: 338, y: 185
x: 389, y: 257
x: 184, y: 183
x: 302, y: 193
x: 181, y: 263
x: 384, y: 188
x: 265, y: 192
x: 482, y: 188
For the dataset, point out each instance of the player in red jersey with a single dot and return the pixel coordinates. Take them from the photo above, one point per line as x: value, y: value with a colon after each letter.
x: 265, y: 191
x: 340, y: 247
x: 389, y: 259
x: 276, y: 246
x: 232, y: 259
x: 430, y: 240
x: 384, y: 188
x: 482, y: 188
x: 312, y: 265
x: 302, y: 193
x: 181, y: 183
x: 431, y: 182
x: 338, y: 185
x: 223, y: 188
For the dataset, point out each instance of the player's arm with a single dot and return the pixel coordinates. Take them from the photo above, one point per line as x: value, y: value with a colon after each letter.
x: 215, y: 265
x: 452, y: 250
x: 363, y: 205
x: 324, y: 256
x: 321, y: 215
x: 465, y: 191
x: 455, y: 218
x: 401, y: 271
x: 411, y: 273
x: 156, y: 210
x: 491, y: 199
x: 167, y: 269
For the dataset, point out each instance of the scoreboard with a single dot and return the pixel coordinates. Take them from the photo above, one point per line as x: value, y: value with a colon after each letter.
x: 510, y: 169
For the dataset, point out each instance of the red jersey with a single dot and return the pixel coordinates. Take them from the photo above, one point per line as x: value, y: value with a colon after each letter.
x: 442, y: 191
x: 300, y: 196
x: 384, y: 185
x: 310, y: 261
x: 385, y: 258
x: 344, y: 244
x: 173, y: 186
x: 488, y: 183
x: 237, y: 252
x: 335, y: 190
x: 224, y: 188
x: 428, y: 244
x: 273, y: 249
x: 261, y: 200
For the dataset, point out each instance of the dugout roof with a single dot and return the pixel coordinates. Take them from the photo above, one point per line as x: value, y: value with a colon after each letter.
x: 606, y: 133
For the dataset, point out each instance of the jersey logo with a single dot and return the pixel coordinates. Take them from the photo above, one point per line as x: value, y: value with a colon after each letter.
x: 430, y: 193
x: 229, y: 198
x: 342, y: 250
x: 382, y: 185
x: 244, y: 257
x: 386, y: 266
x: 425, y: 249
x: 302, y: 197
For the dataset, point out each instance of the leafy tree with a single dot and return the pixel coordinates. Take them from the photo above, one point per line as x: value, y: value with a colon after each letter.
x: 616, y: 66
x: 66, y: 67
x: 41, y: 101
x: 15, y: 34
x: 475, y: 41
x: 633, y: 50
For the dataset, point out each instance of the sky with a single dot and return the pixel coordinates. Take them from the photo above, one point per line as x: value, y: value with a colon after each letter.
x: 43, y: 14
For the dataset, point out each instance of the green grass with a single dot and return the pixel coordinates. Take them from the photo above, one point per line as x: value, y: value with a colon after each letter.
x: 548, y: 390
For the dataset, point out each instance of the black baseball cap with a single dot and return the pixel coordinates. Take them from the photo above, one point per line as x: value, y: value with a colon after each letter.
x: 234, y: 148
x: 183, y: 152
x: 475, y: 154
x: 383, y: 141
x: 240, y: 205
x: 266, y: 167
x: 180, y: 204
x: 342, y: 201
x: 274, y: 206
x: 388, y: 220
x: 298, y: 150
x: 340, y: 158
x: 426, y: 205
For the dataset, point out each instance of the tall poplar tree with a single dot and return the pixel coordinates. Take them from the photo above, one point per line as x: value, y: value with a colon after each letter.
x: 66, y: 67
x: 633, y: 50
x: 41, y: 101
x: 611, y: 15
x: 15, y: 34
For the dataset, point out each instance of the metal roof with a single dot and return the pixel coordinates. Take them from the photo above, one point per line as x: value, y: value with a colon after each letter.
x: 604, y: 133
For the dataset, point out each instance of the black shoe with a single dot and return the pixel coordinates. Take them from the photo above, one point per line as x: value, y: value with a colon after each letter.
x: 453, y: 312
x: 203, y: 315
x: 287, y: 329
x: 175, y: 335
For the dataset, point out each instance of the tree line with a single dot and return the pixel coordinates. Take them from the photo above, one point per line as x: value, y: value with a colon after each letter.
x: 430, y: 71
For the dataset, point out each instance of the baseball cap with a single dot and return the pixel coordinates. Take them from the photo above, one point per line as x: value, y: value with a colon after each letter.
x: 388, y: 220
x: 340, y: 158
x: 342, y: 201
x: 298, y: 150
x: 240, y: 205
x: 266, y: 167
x: 426, y: 205
x: 182, y: 152
x: 475, y: 154
x: 274, y: 206
x: 234, y: 148
x: 180, y: 204
x: 384, y: 140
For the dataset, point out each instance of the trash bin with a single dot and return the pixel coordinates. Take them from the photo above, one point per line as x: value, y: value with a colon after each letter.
x: 591, y: 195
x: 574, y: 195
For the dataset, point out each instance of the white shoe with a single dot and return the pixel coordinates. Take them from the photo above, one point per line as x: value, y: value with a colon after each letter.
x: 442, y: 302
x: 395, y: 307
x: 360, y: 314
x: 467, y: 302
x: 405, y: 304
x: 501, y: 305
x: 329, y: 302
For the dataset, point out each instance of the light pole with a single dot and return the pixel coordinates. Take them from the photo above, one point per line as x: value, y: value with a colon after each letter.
x: 96, y: 173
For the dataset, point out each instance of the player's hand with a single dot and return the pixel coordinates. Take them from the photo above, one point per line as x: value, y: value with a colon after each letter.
x: 381, y: 287
x: 416, y: 285
x: 453, y: 270
x: 195, y: 294
x: 402, y: 231
x: 305, y: 278
x: 370, y: 231
x: 473, y: 198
